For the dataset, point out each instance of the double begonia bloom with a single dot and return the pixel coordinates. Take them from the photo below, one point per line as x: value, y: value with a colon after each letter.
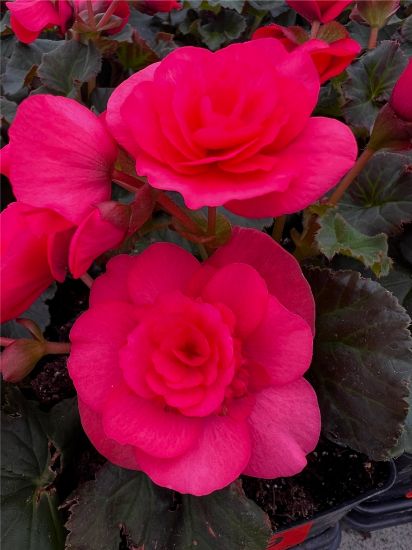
x: 401, y: 98
x: 198, y: 368
x: 232, y: 128
x: 59, y: 161
x: 319, y: 10
x: 330, y: 59
x: 30, y: 17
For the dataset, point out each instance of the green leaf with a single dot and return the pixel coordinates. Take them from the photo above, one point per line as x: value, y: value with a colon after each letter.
x: 232, y: 4
x: 362, y: 363
x: 225, y: 26
x: 23, y: 61
x: 37, y: 312
x: 7, y: 110
x: 406, y: 30
x: 337, y: 236
x: 127, y: 502
x: 31, y: 460
x: 380, y: 199
x: 68, y: 66
x: 399, y: 282
x: 404, y: 444
x: 370, y: 83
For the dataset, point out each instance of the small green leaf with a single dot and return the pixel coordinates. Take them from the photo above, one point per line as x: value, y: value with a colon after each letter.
x: 380, y: 199
x: 225, y: 26
x: 32, y: 457
x: 406, y: 30
x: 337, y: 236
x: 7, y: 110
x: 233, y: 4
x: 37, y: 312
x: 68, y: 66
x: 24, y: 59
x: 362, y: 363
x: 159, y: 519
x: 370, y: 83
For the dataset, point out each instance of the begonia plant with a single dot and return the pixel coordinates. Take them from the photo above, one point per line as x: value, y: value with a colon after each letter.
x: 207, y: 219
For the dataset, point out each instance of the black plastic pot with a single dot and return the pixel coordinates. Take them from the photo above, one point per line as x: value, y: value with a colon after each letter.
x: 322, y: 532
x: 394, y: 507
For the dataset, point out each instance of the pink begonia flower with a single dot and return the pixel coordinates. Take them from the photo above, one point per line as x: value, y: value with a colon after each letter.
x: 59, y: 161
x: 330, y: 58
x: 232, y: 128
x: 30, y: 17
x: 155, y: 6
x: 401, y: 98
x: 198, y: 368
x: 319, y: 10
x: 121, y: 12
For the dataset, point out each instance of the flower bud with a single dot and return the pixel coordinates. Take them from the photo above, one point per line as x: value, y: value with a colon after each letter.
x: 20, y: 358
x: 401, y: 98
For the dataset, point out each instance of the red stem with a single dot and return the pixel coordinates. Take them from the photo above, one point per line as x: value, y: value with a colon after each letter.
x: 174, y: 210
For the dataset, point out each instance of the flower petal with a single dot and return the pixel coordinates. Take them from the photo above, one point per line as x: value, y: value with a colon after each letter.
x: 282, y: 344
x: 111, y: 286
x: 271, y: 261
x: 129, y: 419
x: 319, y: 157
x: 96, y: 338
x: 163, y: 267
x: 61, y: 156
x: 285, y: 424
x: 121, y: 455
x: 218, y: 458
x: 94, y: 236
x: 241, y: 288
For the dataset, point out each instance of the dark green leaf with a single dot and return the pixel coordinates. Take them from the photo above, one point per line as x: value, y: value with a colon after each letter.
x: 158, y: 519
x: 7, y: 110
x: 276, y: 7
x: 337, y: 236
x: 406, y: 245
x: 226, y: 25
x: 68, y: 66
x: 380, y: 199
x: 330, y: 101
x: 399, y: 282
x: 5, y: 22
x: 232, y: 4
x: 361, y: 33
x: 255, y: 223
x: 31, y: 460
x: 24, y: 58
x: 370, y: 83
x: 406, y: 30
x: 404, y: 444
x: 362, y: 362
x: 37, y: 312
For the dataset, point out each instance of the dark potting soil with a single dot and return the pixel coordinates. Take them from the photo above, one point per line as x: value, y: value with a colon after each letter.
x: 334, y: 475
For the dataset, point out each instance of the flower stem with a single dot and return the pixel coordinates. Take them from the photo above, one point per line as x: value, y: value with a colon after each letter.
x: 314, y: 29
x: 57, y: 348
x: 174, y: 210
x: 109, y: 12
x: 373, y: 38
x: 211, y: 220
x: 278, y: 228
x: 350, y: 176
x: 88, y: 281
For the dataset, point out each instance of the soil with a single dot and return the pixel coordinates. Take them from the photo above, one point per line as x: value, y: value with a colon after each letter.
x: 334, y: 475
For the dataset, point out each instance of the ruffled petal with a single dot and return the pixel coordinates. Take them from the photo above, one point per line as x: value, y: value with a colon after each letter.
x: 97, y: 337
x: 282, y: 344
x: 285, y: 424
x: 242, y: 289
x: 319, y: 157
x: 219, y: 457
x: 61, y: 156
x: 271, y: 261
x: 163, y: 267
x: 129, y: 419
x: 121, y: 455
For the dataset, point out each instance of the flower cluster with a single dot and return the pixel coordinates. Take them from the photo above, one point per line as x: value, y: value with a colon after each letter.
x: 179, y: 364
